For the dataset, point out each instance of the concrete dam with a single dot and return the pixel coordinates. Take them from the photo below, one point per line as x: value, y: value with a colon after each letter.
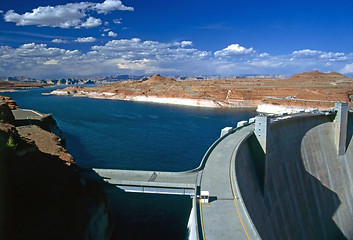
x: 299, y: 185
x: 278, y: 177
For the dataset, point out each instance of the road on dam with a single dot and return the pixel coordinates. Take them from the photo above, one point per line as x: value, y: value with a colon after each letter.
x: 224, y: 217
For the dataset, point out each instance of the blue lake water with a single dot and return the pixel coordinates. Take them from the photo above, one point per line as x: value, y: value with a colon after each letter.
x: 143, y: 136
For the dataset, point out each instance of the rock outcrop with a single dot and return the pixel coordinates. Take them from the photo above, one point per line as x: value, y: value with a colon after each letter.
x: 315, y: 75
x: 6, y: 115
x: 13, y: 85
x: 10, y: 102
x: 43, y: 193
x: 6, y: 105
x: 158, y: 79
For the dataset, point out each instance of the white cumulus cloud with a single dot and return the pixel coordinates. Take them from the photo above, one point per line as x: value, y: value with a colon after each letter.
x: 348, y: 69
x: 136, y: 49
x: 85, y: 39
x: 63, y: 16
x: 70, y: 15
x: 90, y: 23
x: 316, y: 55
x: 34, y: 59
x: 51, y: 62
x: 306, y: 53
x: 58, y: 40
x: 234, y: 50
x: 117, y: 21
x: 111, y: 5
x: 112, y: 34
x: 136, y: 56
x: 186, y: 43
x: 264, y: 55
x: 319, y: 55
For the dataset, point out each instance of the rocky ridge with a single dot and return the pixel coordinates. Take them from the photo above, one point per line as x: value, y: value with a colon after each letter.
x: 316, y: 75
x: 158, y: 79
x: 6, y: 86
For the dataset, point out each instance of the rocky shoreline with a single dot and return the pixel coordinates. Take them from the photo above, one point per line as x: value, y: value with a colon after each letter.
x: 194, y: 102
x: 301, y: 91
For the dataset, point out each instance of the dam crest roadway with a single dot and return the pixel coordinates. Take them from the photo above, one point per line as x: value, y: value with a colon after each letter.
x: 272, y: 177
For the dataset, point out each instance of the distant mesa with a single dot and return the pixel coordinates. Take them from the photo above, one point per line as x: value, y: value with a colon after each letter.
x: 158, y: 79
x: 317, y: 75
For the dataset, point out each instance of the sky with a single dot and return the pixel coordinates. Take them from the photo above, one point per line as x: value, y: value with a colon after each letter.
x: 68, y: 38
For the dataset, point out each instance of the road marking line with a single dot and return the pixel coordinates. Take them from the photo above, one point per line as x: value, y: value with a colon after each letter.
x: 233, y: 189
x: 203, y: 230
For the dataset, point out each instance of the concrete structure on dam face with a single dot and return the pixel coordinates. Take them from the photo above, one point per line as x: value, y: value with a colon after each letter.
x: 341, y: 122
x: 302, y: 188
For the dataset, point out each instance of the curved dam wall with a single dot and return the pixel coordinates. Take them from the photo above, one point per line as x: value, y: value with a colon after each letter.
x: 302, y: 188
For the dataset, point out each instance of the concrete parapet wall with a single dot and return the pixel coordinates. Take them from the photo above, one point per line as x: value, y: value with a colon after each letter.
x: 262, y: 124
x: 301, y: 188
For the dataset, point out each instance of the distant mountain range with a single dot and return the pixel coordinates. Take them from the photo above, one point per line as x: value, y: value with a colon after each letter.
x: 116, y: 78
x: 72, y: 81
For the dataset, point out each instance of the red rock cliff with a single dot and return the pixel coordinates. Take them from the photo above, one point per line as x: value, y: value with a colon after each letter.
x: 44, y: 194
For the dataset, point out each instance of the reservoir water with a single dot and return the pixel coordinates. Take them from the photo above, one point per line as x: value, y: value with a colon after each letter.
x: 143, y: 136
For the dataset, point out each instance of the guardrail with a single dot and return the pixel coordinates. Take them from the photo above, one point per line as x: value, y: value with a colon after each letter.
x: 158, y: 190
x: 151, y: 184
